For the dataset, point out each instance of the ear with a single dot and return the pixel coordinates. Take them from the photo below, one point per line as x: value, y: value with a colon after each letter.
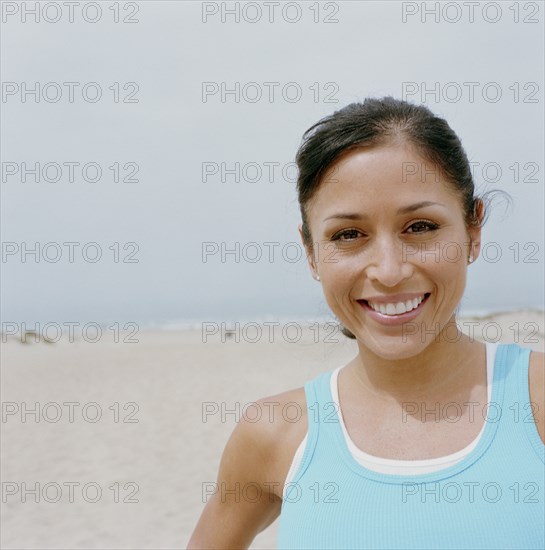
x: 310, y: 258
x: 475, y: 239
x: 475, y: 231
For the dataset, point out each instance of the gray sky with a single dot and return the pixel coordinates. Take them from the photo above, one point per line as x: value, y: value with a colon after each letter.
x: 153, y: 126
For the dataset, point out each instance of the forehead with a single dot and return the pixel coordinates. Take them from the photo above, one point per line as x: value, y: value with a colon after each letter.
x: 387, y: 178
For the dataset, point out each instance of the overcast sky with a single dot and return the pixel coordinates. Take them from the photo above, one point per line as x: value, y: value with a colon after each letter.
x: 177, y: 101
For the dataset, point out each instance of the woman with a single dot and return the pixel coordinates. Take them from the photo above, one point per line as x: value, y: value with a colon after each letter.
x: 411, y: 444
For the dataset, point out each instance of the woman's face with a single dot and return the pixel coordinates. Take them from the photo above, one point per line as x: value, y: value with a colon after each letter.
x: 377, y: 245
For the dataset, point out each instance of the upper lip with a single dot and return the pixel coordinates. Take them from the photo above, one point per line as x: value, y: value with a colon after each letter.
x: 393, y: 298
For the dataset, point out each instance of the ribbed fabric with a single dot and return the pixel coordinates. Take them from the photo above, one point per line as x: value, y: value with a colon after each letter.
x: 492, y: 499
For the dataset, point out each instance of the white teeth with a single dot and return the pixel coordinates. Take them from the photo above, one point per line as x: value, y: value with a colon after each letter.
x: 399, y: 308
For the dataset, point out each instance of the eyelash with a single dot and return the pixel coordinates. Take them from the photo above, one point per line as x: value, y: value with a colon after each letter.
x: 431, y: 226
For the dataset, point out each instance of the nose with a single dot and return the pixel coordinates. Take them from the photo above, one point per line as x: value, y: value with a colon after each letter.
x: 387, y: 265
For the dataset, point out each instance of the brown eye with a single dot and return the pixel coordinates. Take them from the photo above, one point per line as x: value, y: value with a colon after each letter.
x: 423, y: 226
x: 346, y: 233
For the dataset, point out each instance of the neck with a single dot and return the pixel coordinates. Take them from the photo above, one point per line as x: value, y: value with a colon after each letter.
x: 439, y: 370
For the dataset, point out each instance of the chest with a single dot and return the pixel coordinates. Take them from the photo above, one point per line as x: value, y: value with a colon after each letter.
x: 415, y: 430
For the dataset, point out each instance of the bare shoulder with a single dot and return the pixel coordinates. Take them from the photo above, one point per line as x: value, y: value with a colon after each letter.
x: 536, y: 381
x: 271, y: 428
x: 253, y: 467
x: 282, y: 426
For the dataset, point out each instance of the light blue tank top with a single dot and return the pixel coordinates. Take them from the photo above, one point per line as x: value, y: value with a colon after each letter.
x: 492, y: 499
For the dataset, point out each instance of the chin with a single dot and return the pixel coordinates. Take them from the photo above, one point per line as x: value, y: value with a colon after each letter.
x: 394, y: 347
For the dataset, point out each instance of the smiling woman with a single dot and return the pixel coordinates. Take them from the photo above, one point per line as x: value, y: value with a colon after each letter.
x: 398, y: 248
x: 390, y: 223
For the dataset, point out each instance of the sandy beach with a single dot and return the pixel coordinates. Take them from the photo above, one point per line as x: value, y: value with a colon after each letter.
x: 118, y: 440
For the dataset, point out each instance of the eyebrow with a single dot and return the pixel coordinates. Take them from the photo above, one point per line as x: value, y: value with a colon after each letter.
x: 402, y: 210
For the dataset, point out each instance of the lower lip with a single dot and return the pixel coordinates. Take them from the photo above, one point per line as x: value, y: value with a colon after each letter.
x: 394, y: 320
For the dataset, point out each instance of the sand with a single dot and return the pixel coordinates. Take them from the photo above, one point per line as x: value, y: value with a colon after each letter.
x: 133, y: 477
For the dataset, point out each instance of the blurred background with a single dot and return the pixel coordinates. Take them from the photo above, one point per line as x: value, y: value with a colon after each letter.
x: 202, y: 169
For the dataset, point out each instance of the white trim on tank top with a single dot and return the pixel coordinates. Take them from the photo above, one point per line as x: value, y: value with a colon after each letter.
x: 394, y: 466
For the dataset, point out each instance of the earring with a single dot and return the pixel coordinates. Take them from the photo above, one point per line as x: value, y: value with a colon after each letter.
x: 317, y: 277
x: 470, y: 259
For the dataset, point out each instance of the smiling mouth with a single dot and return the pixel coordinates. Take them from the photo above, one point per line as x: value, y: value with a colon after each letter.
x: 396, y: 309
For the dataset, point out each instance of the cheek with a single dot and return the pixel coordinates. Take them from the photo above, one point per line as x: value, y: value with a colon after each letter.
x: 339, y: 280
x: 450, y: 272
x: 449, y: 254
x: 341, y: 270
